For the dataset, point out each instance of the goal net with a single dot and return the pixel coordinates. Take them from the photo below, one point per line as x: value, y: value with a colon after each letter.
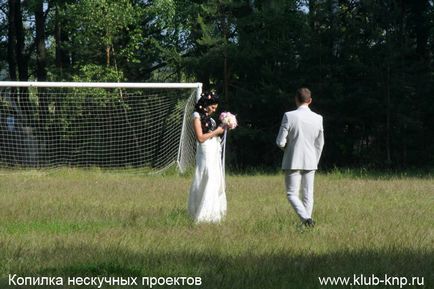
x: 129, y: 126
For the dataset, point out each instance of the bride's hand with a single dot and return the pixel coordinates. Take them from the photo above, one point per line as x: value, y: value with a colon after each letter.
x: 219, y: 130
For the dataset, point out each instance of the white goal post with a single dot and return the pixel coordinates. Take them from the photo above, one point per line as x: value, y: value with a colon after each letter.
x: 142, y: 127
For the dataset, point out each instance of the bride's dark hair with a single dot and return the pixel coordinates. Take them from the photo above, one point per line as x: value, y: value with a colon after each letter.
x: 206, y: 99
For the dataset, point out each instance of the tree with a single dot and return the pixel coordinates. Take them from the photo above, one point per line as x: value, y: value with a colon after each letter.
x: 3, y: 38
x: 96, y: 25
x: 41, y: 58
x: 212, y: 40
x: 368, y: 63
x: 17, y: 56
x: 58, y: 25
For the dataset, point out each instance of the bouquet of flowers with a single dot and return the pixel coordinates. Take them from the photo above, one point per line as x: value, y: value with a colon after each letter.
x: 228, y: 120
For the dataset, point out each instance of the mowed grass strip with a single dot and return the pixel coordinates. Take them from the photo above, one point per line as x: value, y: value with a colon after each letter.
x: 72, y: 222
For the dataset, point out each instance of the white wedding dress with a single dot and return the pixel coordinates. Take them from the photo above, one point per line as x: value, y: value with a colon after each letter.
x: 207, y: 199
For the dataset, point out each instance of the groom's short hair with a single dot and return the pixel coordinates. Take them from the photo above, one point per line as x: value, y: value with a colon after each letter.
x: 303, y: 95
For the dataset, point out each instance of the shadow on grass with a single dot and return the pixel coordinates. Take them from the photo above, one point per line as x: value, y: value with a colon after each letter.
x: 245, y: 271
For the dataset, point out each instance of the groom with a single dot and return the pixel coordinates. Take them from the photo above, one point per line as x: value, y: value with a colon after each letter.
x: 301, y: 137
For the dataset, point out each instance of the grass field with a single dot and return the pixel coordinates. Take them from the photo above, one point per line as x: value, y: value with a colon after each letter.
x: 72, y: 222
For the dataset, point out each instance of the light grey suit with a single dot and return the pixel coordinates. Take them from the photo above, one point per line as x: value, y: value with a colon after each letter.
x: 301, y: 136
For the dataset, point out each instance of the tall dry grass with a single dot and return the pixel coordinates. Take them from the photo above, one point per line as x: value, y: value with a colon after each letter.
x: 72, y: 222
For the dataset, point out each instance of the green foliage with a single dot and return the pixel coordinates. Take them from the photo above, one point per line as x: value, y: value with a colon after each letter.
x: 97, y: 73
x: 368, y: 64
x: 98, y: 24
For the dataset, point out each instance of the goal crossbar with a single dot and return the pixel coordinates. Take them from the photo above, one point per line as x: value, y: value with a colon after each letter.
x: 99, y: 84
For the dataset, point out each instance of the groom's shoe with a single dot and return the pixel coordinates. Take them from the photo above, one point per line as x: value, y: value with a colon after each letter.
x: 309, y: 223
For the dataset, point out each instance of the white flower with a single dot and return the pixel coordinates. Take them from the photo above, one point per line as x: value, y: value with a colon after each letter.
x: 228, y: 120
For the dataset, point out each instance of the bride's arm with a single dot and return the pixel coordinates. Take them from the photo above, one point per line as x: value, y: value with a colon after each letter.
x: 200, y: 136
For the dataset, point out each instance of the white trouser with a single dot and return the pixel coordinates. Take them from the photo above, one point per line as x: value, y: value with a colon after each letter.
x: 297, y: 181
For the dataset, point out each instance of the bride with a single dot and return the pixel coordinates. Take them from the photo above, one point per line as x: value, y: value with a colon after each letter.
x: 207, y: 199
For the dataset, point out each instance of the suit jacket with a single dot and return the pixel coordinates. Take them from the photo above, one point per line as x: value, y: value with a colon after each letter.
x: 301, y: 136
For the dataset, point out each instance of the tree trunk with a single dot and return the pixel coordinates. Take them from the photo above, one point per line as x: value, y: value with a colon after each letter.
x: 225, y: 63
x: 21, y: 59
x: 41, y: 69
x: 62, y: 57
x: 18, y: 62
x: 12, y: 40
x: 107, y: 55
x: 388, y: 119
x: 422, y: 28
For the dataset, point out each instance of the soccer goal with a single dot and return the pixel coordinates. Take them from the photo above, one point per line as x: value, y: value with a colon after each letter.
x: 130, y: 126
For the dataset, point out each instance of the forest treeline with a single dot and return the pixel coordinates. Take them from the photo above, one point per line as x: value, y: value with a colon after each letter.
x: 369, y: 65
